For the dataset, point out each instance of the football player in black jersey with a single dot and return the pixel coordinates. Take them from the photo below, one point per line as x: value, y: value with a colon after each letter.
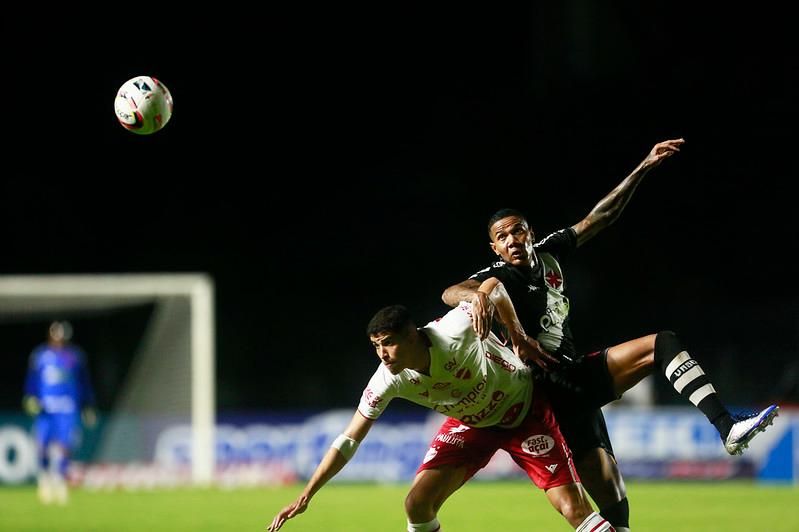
x: 580, y: 384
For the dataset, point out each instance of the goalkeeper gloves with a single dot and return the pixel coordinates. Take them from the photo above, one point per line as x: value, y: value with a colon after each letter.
x: 31, y: 405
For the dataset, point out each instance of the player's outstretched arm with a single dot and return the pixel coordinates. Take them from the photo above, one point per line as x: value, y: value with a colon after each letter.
x: 611, y: 206
x: 344, y: 446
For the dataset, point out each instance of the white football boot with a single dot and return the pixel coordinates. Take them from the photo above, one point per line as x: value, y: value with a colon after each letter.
x: 747, y: 427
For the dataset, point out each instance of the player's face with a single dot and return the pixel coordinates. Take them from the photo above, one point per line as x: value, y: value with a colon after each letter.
x: 57, y: 332
x: 512, y: 240
x: 392, y: 351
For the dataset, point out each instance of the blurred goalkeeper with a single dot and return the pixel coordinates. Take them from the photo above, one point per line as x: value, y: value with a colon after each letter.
x: 59, y: 394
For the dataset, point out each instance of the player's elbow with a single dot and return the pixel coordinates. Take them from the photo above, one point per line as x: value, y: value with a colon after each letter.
x: 448, y: 297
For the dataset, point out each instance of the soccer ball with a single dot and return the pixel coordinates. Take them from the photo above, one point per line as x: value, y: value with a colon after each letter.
x: 143, y: 105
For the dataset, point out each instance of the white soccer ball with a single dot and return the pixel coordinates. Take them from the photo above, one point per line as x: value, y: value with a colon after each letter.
x: 143, y: 105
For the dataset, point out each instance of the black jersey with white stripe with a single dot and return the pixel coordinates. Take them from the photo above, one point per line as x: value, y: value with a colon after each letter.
x: 538, y: 292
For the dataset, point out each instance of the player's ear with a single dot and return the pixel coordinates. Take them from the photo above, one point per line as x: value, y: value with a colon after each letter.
x: 494, y: 248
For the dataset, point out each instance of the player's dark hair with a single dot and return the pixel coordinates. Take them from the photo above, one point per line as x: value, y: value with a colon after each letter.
x: 504, y: 213
x: 391, y: 319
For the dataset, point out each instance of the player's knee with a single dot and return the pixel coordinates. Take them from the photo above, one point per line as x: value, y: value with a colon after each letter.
x: 418, y: 507
x: 575, y: 510
x: 571, y: 502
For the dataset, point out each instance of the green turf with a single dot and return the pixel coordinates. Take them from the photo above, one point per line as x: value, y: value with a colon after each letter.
x: 479, y: 506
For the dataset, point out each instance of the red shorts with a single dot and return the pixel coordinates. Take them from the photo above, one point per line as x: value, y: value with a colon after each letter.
x: 536, y: 445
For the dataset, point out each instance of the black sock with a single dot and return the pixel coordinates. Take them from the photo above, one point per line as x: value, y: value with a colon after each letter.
x: 618, y: 513
x: 688, y: 379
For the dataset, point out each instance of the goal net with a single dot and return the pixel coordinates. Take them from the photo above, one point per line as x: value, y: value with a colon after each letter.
x: 170, y: 376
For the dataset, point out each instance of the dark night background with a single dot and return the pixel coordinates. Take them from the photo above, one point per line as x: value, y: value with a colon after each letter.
x: 325, y: 161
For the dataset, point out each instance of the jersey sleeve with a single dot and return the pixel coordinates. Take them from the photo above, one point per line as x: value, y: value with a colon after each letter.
x: 380, y: 390
x: 559, y: 244
x: 495, y: 270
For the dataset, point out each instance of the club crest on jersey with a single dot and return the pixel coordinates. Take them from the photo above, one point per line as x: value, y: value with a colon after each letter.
x: 538, y: 445
x: 554, y: 279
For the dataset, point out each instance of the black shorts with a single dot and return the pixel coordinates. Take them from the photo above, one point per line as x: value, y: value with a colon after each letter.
x: 577, y: 393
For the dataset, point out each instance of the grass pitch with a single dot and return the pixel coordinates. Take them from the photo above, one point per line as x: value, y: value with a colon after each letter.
x: 478, y: 506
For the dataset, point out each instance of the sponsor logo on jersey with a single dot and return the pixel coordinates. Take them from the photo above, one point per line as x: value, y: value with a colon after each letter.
x: 545, y: 322
x: 450, y: 365
x: 531, y: 288
x: 53, y: 375
x: 59, y: 404
x: 472, y: 396
x: 538, y: 445
x: 477, y: 417
x: 507, y: 366
x: 451, y: 439
x: 370, y: 398
x: 552, y: 468
x: 459, y: 428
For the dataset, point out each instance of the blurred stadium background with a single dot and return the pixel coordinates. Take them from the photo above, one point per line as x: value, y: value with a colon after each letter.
x: 322, y: 163
x: 151, y: 339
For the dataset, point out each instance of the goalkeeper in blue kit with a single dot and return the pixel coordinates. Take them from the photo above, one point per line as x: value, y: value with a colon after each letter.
x: 59, y: 395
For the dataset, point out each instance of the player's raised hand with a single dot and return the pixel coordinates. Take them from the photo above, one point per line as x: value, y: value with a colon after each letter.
x: 662, y: 151
x: 292, y: 510
x: 482, y: 314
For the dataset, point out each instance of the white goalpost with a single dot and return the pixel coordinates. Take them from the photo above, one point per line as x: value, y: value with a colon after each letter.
x: 180, y: 333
